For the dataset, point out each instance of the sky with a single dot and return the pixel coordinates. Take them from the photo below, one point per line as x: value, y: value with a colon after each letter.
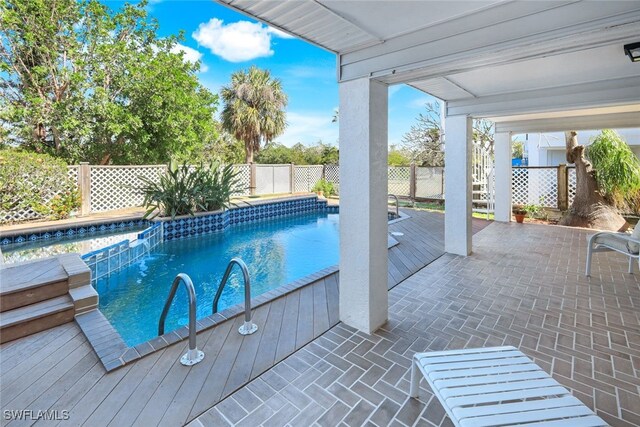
x: 226, y: 41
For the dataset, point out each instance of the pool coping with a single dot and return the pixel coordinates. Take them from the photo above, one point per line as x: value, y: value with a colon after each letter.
x: 114, y: 353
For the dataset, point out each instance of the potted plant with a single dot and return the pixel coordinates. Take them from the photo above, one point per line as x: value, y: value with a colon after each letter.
x: 519, y: 212
x: 323, y: 188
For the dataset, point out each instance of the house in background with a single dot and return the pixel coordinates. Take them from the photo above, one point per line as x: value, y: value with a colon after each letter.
x: 548, y: 149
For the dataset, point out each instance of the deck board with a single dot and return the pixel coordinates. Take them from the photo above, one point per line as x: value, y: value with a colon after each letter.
x: 158, y: 389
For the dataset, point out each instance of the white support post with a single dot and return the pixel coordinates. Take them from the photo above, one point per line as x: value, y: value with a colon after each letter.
x: 458, y: 185
x: 363, y: 204
x: 502, y: 150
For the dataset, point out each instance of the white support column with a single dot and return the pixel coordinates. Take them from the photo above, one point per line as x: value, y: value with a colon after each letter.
x: 458, y: 187
x: 502, y: 150
x: 363, y: 204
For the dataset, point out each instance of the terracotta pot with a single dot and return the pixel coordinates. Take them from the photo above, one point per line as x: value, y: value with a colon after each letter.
x: 519, y: 218
x: 320, y: 193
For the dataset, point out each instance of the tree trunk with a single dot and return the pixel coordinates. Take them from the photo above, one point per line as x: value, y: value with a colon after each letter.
x: 589, y: 208
x: 248, y: 153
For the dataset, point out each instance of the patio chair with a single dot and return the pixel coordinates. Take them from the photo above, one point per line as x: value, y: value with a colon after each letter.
x: 498, y: 386
x: 627, y: 244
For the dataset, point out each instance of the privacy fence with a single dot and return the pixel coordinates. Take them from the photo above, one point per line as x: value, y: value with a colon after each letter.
x: 107, y: 188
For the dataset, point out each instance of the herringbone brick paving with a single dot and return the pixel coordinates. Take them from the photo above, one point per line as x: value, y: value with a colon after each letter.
x: 523, y: 286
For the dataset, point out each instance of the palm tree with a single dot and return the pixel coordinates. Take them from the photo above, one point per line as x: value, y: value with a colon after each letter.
x: 254, y: 109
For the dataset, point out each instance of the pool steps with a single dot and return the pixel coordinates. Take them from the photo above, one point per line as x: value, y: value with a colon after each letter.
x: 35, y: 296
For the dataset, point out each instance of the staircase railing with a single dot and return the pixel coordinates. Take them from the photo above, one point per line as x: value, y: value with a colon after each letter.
x: 193, y: 355
x: 248, y: 327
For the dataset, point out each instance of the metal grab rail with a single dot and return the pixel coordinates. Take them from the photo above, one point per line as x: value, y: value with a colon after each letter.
x: 397, y: 203
x: 248, y: 327
x: 193, y: 355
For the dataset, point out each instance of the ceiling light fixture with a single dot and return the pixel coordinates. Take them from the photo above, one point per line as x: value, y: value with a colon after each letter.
x: 632, y: 50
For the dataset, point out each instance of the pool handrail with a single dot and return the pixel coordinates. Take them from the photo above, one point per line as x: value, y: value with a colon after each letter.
x: 248, y: 327
x: 193, y: 355
x: 397, y: 203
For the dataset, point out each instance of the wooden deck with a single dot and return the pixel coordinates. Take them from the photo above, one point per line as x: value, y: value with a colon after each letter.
x: 57, y: 369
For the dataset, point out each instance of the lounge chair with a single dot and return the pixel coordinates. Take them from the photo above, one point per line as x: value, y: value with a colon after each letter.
x: 498, y: 386
x: 627, y: 244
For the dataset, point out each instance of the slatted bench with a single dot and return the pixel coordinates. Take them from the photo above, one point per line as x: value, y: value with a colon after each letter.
x: 498, y: 386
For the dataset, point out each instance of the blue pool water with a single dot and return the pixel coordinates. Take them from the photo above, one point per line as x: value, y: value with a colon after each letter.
x: 276, y: 251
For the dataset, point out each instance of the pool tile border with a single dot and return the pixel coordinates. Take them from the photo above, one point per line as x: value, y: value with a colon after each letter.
x: 9, y: 237
x: 242, y: 213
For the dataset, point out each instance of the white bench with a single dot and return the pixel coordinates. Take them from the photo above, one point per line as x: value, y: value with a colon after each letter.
x: 498, y: 386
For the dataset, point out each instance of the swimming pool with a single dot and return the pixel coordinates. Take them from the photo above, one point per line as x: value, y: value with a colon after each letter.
x: 276, y: 251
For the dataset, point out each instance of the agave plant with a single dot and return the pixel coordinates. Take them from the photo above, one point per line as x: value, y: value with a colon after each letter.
x: 171, y: 195
x: 215, y: 185
x: 185, y: 190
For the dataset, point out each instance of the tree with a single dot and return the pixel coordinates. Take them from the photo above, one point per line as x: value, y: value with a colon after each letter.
x: 300, y: 154
x: 82, y: 82
x: 590, y: 208
x: 253, y: 110
x: 398, y: 157
x: 423, y: 141
x: 517, y: 150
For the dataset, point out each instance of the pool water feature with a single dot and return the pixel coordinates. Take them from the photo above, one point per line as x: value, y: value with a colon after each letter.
x: 276, y: 251
x: 61, y: 242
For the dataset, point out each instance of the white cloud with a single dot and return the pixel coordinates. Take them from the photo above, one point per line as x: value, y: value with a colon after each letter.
x: 279, y: 33
x: 235, y: 42
x: 309, y: 128
x: 190, y: 55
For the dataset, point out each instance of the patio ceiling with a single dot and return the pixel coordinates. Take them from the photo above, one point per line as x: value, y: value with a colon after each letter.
x: 485, y: 58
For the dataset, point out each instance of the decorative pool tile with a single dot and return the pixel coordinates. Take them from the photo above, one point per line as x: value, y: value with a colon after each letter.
x: 71, y: 231
x: 204, y: 224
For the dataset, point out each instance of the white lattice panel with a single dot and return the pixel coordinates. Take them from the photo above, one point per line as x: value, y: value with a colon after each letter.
x: 430, y: 182
x: 22, y: 214
x: 72, y: 172
x: 571, y: 177
x: 113, y: 187
x: 305, y: 177
x: 244, y: 179
x: 538, y: 186
x: 399, y: 180
x: 332, y: 174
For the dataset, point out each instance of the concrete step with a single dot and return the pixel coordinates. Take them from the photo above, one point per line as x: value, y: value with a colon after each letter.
x: 24, y: 284
x: 27, y: 320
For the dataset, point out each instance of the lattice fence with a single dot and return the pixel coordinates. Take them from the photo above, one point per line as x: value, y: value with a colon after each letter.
x: 399, y: 180
x: 113, y: 187
x: 244, y: 179
x: 72, y: 172
x: 537, y: 186
x: 305, y: 177
x: 22, y: 214
x: 332, y: 174
x: 571, y: 178
x: 430, y: 182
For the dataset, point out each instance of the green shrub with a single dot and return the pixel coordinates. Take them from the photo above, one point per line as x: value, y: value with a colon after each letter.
x: 37, y: 182
x: 185, y: 190
x: 617, y: 169
x: 325, y: 186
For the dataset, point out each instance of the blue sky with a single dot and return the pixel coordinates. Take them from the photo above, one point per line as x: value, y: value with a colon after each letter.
x: 226, y: 41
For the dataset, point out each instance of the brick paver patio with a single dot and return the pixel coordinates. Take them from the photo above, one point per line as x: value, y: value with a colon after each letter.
x: 524, y: 286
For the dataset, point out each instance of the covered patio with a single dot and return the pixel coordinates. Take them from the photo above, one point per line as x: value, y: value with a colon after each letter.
x: 533, y: 64
x: 523, y: 287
